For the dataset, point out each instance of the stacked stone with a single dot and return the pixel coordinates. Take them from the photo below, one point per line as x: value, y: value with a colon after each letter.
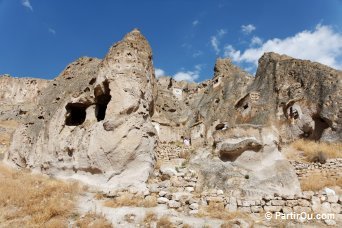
x: 332, y: 168
x: 169, y: 151
x: 177, y: 191
x: 309, y: 201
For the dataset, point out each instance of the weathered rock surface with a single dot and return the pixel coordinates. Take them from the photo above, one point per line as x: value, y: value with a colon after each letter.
x: 100, y: 120
x: 20, y: 90
x: 93, y: 121
x: 305, y: 97
x: 248, y: 162
x: 18, y: 97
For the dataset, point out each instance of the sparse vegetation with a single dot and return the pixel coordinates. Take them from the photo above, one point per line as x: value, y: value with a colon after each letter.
x: 316, y: 182
x: 312, y: 151
x: 130, y: 218
x: 150, y: 217
x: 92, y: 220
x: 217, y: 210
x: 164, y: 222
x: 34, y: 200
x: 131, y: 200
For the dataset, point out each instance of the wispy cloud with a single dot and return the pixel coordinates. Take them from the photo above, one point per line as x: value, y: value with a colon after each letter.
x: 52, y: 31
x: 247, y: 29
x: 197, y: 54
x: 195, y: 23
x: 189, y: 76
x: 27, y: 4
x: 323, y: 45
x: 215, y: 44
x: 215, y: 40
x: 256, y: 41
x: 159, y: 72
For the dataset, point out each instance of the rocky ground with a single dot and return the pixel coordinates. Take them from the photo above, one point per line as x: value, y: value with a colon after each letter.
x: 173, y: 190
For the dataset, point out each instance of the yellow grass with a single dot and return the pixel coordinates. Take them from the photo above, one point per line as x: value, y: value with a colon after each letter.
x: 92, y: 220
x: 149, y: 218
x: 130, y: 200
x: 29, y: 200
x: 311, y: 149
x: 164, y: 222
x: 316, y: 182
x: 217, y: 210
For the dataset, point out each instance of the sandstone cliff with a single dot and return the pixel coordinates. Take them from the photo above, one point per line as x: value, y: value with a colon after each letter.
x: 93, y: 121
x: 100, y: 120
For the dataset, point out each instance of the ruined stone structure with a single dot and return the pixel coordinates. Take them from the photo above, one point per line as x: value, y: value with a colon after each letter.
x: 100, y: 120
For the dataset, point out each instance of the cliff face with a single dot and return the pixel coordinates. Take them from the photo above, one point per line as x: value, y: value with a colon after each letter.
x: 304, y: 97
x: 20, y: 90
x: 18, y: 97
x: 93, y: 121
x: 100, y: 120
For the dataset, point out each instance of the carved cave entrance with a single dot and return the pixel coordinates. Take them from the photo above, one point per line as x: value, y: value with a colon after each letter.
x: 76, y: 114
x: 102, y: 100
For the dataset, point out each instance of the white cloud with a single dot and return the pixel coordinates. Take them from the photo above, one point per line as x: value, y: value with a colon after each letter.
x: 195, y: 22
x: 323, y: 45
x: 247, y: 29
x: 197, y: 53
x: 27, y: 4
x: 189, y: 76
x: 215, y: 44
x: 215, y: 40
x: 186, y: 76
x: 52, y: 31
x: 256, y: 41
x: 159, y: 72
x: 198, y: 67
x: 221, y: 32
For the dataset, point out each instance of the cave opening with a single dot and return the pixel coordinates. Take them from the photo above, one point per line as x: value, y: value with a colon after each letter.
x: 320, y: 126
x: 101, y: 106
x: 76, y: 114
x: 102, y: 101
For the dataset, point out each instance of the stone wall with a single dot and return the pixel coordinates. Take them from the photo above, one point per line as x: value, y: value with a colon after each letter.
x: 332, y: 168
x: 169, y: 151
x: 177, y: 190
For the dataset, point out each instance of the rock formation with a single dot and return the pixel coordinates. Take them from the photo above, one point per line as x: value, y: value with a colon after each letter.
x: 307, y: 95
x: 93, y: 121
x: 100, y: 120
x: 17, y: 99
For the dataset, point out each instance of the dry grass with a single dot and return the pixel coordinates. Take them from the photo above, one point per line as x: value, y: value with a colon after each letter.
x: 311, y: 150
x: 164, y: 222
x: 34, y: 200
x: 217, y: 210
x: 131, y: 200
x: 150, y: 217
x: 92, y: 220
x: 130, y: 218
x: 316, y: 182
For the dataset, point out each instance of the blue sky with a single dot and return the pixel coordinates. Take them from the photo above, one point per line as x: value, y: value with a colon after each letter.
x: 39, y: 38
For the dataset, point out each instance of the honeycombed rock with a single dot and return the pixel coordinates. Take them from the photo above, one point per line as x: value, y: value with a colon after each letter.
x: 100, y: 120
x: 93, y: 121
